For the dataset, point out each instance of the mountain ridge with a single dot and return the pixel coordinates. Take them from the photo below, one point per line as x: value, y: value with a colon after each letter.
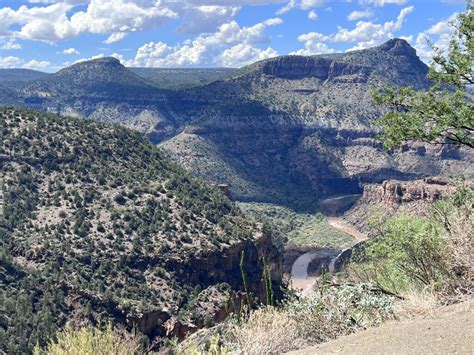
x: 285, y: 128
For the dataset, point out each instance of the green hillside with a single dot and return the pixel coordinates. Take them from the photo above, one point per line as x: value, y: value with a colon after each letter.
x: 97, y: 225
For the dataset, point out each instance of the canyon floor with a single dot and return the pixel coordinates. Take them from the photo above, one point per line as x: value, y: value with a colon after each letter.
x: 447, y: 330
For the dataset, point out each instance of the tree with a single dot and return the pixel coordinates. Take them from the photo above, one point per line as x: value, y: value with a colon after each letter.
x: 444, y: 114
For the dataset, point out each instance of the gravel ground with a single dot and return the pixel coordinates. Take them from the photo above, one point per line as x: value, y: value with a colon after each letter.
x: 449, y: 330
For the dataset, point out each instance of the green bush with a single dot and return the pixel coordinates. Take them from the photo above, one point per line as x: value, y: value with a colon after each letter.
x: 408, y: 253
x: 90, y: 341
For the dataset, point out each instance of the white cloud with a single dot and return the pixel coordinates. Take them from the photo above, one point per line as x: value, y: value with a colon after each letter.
x: 244, y: 54
x: 439, y: 35
x: 10, y: 62
x: 206, y: 18
x: 365, y: 34
x: 369, y: 32
x: 54, y: 20
x: 289, y: 6
x: 37, y: 65
x: 312, y: 15
x: 443, y: 26
x: 311, y: 4
x: 312, y: 48
x: 357, y: 15
x: 15, y: 62
x: 210, y: 49
x: 51, y: 23
x: 312, y: 36
x: 71, y: 51
x: 273, y: 21
x: 115, y: 37
x: 382, y: 2
x: 10, y: 44
x: 313, y: 44
x: 301, y: 4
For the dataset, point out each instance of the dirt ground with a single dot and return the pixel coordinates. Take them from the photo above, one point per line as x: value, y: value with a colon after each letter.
x: 449, y: 330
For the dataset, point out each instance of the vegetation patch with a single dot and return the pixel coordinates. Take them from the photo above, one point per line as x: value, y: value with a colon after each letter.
x: 297, y: 227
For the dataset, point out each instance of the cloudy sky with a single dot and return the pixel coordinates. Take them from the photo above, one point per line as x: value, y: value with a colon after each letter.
x: 50, y: 34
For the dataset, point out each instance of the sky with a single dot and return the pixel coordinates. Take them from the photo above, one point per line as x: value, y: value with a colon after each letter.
x: 48, y: 35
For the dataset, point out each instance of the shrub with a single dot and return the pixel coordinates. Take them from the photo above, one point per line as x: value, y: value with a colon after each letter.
x: 455, y: 213
x: 90, y: 341
x: 412, y: 253
x: 407, y: 253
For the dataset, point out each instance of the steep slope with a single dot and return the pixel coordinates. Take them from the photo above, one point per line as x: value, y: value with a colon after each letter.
x: 96, y: 225
x: 293, y: 128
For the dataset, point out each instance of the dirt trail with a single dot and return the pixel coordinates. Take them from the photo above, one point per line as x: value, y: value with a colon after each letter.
x: 449, y: 330
x: 300, y: 280
x: 343, y: 226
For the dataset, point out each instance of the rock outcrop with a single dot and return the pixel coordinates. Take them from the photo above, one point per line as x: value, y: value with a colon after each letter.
x: 299, y: 67
x: 391, y: 196
x: 393, y: 192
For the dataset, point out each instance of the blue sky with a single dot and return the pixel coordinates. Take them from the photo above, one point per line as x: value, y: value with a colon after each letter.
x: 50, y: 34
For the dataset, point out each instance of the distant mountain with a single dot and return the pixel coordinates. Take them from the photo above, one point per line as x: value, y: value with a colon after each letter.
x: 16, y: 75
x: 96, y: 225
x: 181, y: 78
x: 104, y: 90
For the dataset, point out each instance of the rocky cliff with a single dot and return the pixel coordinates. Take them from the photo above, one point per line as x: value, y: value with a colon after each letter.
x: 299, y: 67
x: 393, y: 192
x: 391, y: 196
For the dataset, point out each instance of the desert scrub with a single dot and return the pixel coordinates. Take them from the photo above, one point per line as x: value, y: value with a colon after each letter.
x: 91, y: 341
x: 329, y: 313
x: 456, y: 215
x: 324, y: 315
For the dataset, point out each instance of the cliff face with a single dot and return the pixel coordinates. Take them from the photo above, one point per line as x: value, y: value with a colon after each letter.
x: 208, y: 270
x: 294, y: 128
x: 393, y: 192
x: 299, y: 67
x: 297, y: 165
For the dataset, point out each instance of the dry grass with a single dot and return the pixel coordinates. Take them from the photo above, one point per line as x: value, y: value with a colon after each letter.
x: 303, y: 322
x: 417, y: 303
x: 267, y: 331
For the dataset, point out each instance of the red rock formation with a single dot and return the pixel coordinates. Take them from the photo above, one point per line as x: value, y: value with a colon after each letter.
x: 394, y: 192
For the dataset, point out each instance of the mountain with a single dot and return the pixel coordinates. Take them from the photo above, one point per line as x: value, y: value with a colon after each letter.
x: 96, y: 226
x: 181, y: 78
x: 285, y: 130
x: 100, y: 89
x: 293, y: 128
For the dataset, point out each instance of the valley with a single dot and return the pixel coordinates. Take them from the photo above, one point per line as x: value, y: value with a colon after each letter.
x: 172, y: 202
